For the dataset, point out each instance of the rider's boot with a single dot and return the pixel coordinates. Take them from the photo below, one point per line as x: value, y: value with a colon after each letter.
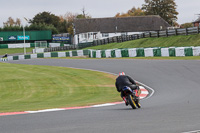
x: 126, y: 103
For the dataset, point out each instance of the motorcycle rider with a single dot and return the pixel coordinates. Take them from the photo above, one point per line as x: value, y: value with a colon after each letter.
x: 5, y: 56
x: 123, y: 80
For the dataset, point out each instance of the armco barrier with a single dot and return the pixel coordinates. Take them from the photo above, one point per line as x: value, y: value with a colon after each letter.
x: 4, y: 59
x: 146, y: 52
x: 27, y: 45
x: 51, y: 54
x: 117, y: 53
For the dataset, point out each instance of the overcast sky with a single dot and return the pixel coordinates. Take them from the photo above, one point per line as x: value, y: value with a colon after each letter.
x: 96, y: 8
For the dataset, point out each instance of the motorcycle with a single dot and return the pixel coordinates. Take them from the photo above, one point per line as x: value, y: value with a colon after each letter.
x: 132, y: 97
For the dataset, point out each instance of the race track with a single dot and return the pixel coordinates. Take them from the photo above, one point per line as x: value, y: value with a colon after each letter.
x: 174, y: 107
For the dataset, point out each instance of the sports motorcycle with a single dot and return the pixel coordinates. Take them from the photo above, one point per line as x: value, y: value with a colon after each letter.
x: 132, y: 97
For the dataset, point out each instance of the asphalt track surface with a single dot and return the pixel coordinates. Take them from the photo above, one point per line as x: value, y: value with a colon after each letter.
x: 174, y: 107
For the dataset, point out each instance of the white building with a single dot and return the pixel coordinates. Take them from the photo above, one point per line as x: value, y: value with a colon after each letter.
x: 88, y: 30
x: 91, y: 36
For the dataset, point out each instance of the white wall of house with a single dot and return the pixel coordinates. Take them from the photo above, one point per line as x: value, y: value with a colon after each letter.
x: 91, y: 36
x: 85, y: 37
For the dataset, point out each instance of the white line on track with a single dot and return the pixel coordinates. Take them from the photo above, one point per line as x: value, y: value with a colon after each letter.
x: 103, y: 105
x: 148, y: 88
x: 197, y: 131
x: 100, y: 105
x: 45, y: 110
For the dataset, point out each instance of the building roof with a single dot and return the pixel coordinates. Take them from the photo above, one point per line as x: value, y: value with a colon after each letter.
x: 196, y: 21
x: 123, y: 24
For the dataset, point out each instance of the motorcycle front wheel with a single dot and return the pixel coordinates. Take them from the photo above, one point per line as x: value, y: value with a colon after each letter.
x: 138, y: 103
x: 132, y: 102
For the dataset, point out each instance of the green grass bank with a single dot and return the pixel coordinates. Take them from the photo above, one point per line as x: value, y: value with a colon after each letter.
x: 28, y: 87
x: 172, y: 41
x: 14, y: 50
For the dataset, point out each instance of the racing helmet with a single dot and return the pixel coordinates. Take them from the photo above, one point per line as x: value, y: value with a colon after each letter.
x: 121, y: 73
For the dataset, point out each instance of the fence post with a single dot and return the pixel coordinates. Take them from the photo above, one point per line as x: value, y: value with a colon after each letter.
x: 127, y: 37
x: 117, y: 38
x: 133, y: 37
x: 143, y: 35
x: 167, y: 33
x: 198, y: 29
x: 137, y: 36
x: 158, y: 33
x: 176, y: 32
x: 150, y: 34
x: 113, y: 40
x: 121, y: 39
x: 186, y: 30
x: 130, y: 37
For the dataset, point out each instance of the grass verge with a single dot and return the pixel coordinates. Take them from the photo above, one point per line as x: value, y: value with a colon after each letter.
x: 14, y: 50
x: 172, y: 41
x: 28, y: 87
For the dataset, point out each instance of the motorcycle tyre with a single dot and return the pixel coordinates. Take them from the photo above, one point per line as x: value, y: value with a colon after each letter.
x: 138, y: 103
x: 132, y: 102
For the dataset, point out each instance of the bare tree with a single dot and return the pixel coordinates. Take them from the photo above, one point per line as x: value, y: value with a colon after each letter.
x: 84, y: 15
x: 83, y: 11
x: 69, y: 17
x: 9, y: 22
x: 18, y: 22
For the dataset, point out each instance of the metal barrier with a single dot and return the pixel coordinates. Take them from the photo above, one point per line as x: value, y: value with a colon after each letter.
x: 63, y: 48
x: 4, y: 59
x: 163, y: 33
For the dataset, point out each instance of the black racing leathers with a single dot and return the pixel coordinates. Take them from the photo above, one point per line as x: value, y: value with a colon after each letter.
x: 124, y: 80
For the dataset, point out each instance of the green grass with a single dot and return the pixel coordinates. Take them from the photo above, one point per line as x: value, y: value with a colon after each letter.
x: 14, y: 50
x: 28, y: 87
x: 176, y: 41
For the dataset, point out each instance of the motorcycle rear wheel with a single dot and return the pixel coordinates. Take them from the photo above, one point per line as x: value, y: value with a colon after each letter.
x: 132, y: 102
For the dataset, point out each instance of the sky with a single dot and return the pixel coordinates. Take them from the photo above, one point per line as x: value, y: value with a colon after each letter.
x: 188, y: 9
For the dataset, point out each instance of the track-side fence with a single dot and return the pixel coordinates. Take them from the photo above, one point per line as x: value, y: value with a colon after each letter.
x: 150, y: 34
x: 117, y: 53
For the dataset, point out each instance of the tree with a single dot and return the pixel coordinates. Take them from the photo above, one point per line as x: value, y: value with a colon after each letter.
x: 121, y: 15
x: 62, y: 28
x: 18, y: 22
x: 164, y: 8
x: 12, y: 28
x: 83, y: 15
x: 132, y: 12
x: 42, y: 26
x: 69, y: 18
x: 70, y: 30
x: 136, y: 12
x: 46, y: 18
x: 186, y: 25
x: 10, y: 22
x: 67, y: 21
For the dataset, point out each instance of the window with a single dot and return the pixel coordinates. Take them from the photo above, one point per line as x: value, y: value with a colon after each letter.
x: 85, y: 35
x: 105, y: 35
x: 123, y: 34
